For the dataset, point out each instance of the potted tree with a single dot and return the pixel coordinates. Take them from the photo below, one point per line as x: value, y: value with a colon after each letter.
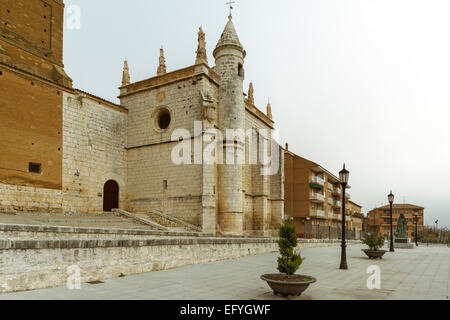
x: 287, y: 283
x: 374, y: 241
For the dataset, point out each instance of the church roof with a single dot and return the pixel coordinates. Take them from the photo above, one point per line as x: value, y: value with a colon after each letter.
x: 229, y: 36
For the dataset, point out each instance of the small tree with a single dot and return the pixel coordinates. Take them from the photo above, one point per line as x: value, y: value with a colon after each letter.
x: 290, y: 261
x: 374, y: 241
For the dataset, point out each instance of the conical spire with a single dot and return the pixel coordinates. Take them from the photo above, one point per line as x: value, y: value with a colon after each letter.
x: 162, y: 63
x: 229, y: 36
x: 126, y: 74
x: 269, y: 110
x: 201, y: 50
x: 251, y: 97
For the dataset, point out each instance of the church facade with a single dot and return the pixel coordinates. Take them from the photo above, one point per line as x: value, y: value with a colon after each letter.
x: 65, y: 150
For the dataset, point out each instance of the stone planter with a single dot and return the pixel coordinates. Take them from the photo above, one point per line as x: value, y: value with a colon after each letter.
x: 374, y: 254
x: 289, y: 287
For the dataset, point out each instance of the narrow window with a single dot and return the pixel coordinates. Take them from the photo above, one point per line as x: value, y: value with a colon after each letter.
x: 165, y: 185
x: 240, y: 70
x: 34, y: 167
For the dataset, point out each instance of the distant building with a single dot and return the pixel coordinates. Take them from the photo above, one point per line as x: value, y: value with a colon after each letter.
x: 354, y: 210
x: 378, y: 220
x: 313, y: 198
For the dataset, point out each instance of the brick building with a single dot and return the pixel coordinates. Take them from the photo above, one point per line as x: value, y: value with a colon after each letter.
x: 378, y: 219
x: 313, y: 198
x: 65, y: 150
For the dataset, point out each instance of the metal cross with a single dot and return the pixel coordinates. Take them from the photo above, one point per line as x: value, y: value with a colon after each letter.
x: 230, y: 3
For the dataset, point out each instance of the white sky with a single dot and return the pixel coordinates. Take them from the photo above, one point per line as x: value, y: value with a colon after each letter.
x: 365, y: 82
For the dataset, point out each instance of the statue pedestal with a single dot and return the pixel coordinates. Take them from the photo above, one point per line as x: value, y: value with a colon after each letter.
x: 403, y: 243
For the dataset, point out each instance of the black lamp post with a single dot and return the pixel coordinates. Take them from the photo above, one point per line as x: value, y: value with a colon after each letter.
x: 416, y: 220
x: 343, y: 176
x: 318, y: 230
x: 391, y: 202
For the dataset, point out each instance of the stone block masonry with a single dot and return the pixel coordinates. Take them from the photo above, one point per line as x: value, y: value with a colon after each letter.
x: 34, y: 264
x: 93, y: 152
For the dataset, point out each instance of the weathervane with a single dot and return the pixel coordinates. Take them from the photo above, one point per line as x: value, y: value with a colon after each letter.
x: 230, y: 3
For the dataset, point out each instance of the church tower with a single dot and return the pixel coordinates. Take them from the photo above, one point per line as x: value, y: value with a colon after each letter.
x: 229, y: 58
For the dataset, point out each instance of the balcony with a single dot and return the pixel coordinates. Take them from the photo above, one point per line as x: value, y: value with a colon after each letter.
x: 337, y: 204
x: 317, y: 213
x: 336, y: 191
x: 317, y: 180
x: 316, y: 197
x: 330, y: 186
x: 347, y: 195
x: 330, y: 201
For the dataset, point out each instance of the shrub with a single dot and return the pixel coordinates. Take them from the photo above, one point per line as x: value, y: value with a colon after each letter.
x: 290, y: 261
x: 374, y: 241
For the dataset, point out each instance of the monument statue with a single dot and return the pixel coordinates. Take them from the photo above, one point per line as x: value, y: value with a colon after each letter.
x: 401, y: 231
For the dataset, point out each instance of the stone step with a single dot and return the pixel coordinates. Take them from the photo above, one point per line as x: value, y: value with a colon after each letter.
x: 141, y: 218
x: 79, y: 220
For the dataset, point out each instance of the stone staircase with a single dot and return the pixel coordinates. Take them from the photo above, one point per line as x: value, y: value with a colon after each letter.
x: 104, y: 220
x: 160, y: 221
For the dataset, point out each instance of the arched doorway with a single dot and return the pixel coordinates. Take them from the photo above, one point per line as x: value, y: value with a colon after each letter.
x: 110, y: 196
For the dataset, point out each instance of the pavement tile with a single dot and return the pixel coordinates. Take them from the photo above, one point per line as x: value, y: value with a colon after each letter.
x: 422, y: 273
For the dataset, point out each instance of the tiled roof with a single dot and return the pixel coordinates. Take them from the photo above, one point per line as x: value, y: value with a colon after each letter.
x: 401, y: 206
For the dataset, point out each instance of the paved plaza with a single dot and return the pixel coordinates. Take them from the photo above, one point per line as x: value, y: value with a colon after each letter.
x: 422, y: 273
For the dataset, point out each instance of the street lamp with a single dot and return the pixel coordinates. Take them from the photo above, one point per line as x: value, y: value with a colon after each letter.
x: 416, y: 218
x: 343, y: 177
x: 391, y: 202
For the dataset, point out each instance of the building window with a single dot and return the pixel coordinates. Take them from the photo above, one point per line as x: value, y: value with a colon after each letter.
x: 165, y: 185
x: 34, y: 167
x: 240, y: 70
x: 162, y: 119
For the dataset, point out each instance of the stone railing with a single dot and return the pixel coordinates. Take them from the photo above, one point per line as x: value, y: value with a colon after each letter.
x: 173, y: 221
x: 140, y: 219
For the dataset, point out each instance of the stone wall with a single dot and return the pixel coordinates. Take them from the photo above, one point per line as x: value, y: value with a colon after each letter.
x: 154, y: 180
x: 94, y: 139
x: 264, y: 194
x: 34, y: 264
x: 26, y: 265
x: 31, y: 199
x: 93, y: 152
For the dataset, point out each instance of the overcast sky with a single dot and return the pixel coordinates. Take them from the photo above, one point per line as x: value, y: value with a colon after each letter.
x: 365, y: 82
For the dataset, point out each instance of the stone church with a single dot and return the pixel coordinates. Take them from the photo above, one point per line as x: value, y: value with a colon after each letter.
x: 63, y: 150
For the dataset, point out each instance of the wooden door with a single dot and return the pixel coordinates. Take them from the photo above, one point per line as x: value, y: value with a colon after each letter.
x: 110, y: 196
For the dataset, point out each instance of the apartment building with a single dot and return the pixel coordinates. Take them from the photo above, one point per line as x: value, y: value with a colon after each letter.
x: 313, y: 198
x: 378, y: 219
x: 354, y: 210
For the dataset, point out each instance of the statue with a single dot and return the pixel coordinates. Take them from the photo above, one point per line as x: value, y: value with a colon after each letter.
x: 162, y: 63
x: 401, y: 231
x: 201, y: 50
x: 251, y: 97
